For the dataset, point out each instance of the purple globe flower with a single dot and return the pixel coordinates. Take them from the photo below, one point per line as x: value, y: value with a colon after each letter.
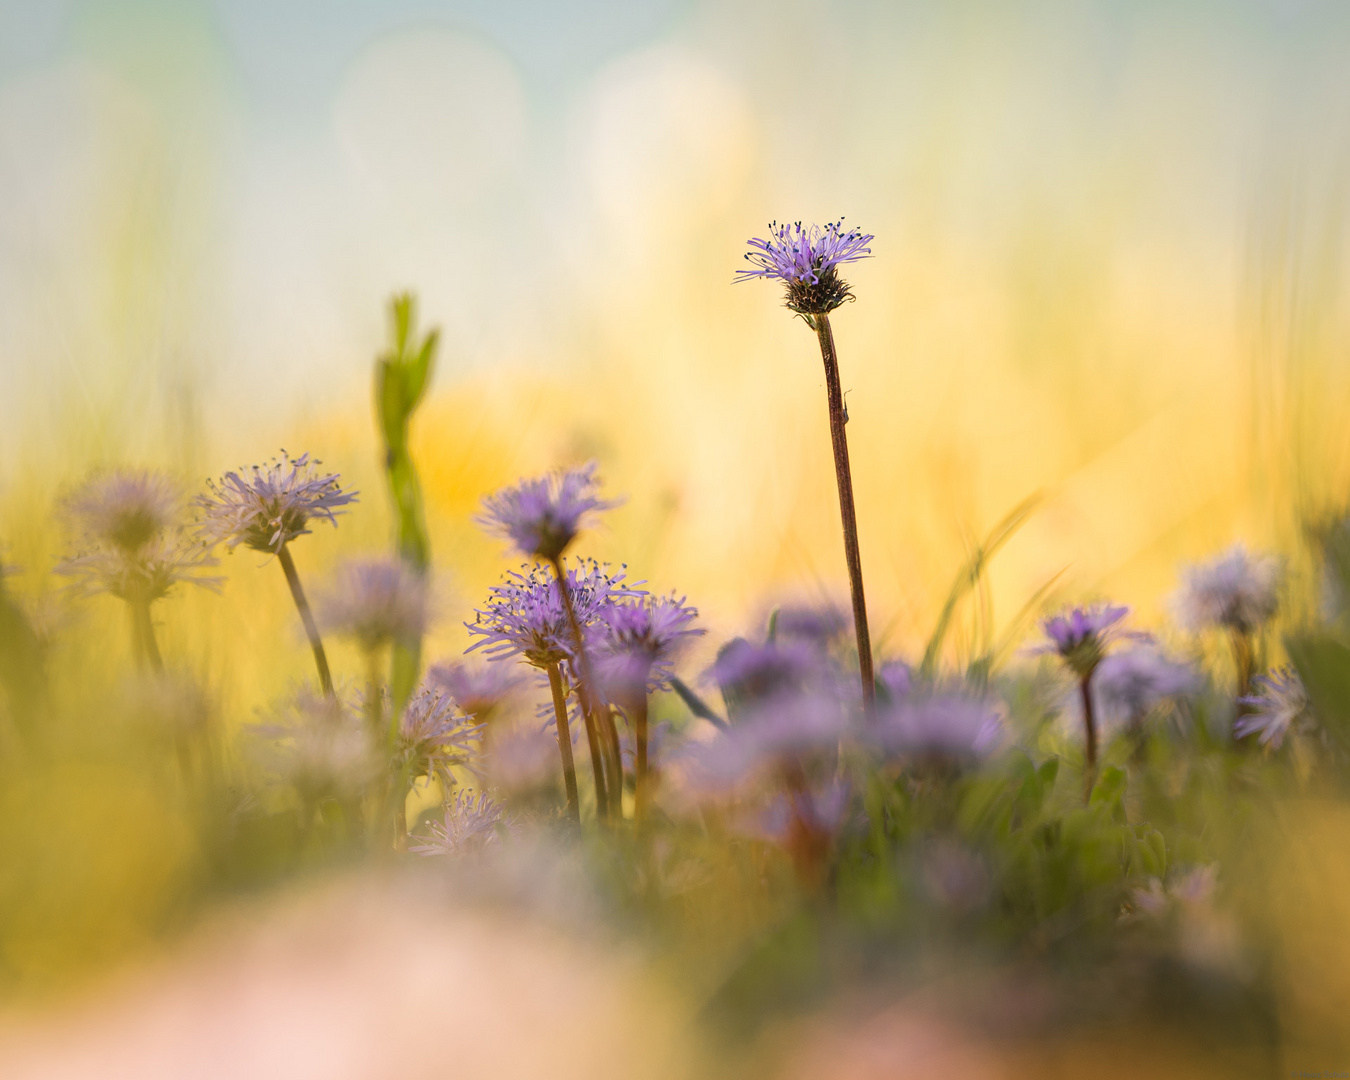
x: 806, y: 259
x: 434, y: 736
x: 541, y: 517
x: 749, y: 673
x: 477, y: 688
x: 469, y: 824
x: 946, y: 726
x: 636, y: 642
x: 142, y: 575
x: 271, y: 506
x: 1280, y: 705
x: 1080, y: 636
x: 1236, y: 591
x: 525, y: 615
x: 1130, y: 683
x: 124, y: 509
x: 375, y: 601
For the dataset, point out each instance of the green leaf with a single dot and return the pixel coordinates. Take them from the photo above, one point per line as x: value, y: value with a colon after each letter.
x: 1109, y: 788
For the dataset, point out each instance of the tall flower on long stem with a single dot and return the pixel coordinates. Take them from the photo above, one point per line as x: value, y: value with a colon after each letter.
x: 1237, y: 592
x: 526, y: 616
x: 541, y: 517
x: 134, y: 547
x: 268, y: 508
x: 1081, y: 637
x: 807, y: 260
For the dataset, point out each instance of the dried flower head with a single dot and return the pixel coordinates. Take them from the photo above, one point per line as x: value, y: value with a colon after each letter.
x: 806, y: 259
x: 637, y: 641
x: 271, y: 505
x: 434, y: 736
x: 479, y: 689
x: 469, y: 824
x: 142, y: 575
x: 1080, y: 636
x: 1235, y: 591
x: 124, y: 509
x: 375, y: 602
x: 1281, y: 704
x: 542, y: 516
x: 525, y: 615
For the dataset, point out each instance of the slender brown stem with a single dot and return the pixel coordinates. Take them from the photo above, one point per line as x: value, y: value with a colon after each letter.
x: 613, y: 761
x: 613, y: 804
x: 641, y: 792
x: 844, y: 477
x: 306, y: 617
x: 564, y: 742
x: 1090, y: 724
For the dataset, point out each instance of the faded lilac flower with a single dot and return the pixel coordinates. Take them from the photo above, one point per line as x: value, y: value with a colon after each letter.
x: 320, y: 746
x: 542, y: 516
x: 469, y: 824
x: 1130, y: 683
x: 806, y: 259
x: 637, y: 641
x: 775, y: 735
x: 946, y: 726
x: 521, y: 757
x: 525, y: 615
x: 144, y: 574
x: 479, y: 689
x: 267, y: 507
x: 434, y: 736
x: 125, y: 509
x: 1281, y: 704
x: 896, y: 679
x: 1080, y: 636
x: 1235, y: 591
x: 375, y: 602
x: 747, y: 673
x: 817, y: 625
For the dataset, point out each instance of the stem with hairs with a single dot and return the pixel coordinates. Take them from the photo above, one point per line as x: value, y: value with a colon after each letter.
x: 844, y: 477
x: 306, y: 617
x: 565, y: 743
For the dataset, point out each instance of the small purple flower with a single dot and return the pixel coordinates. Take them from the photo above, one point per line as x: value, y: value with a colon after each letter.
x: 1236, y: 591
x: 637, y: 641
x: 375, y: 602
x: 469, y: 824
x: 434, y: 736
x: 896, y: 678
x: 813, y: 625
x: 749, y: 673
x: 1081, y: 635
x: 806, y: 259
x: 945, y: 726
x: 124, y: 509
x: 271, y: 506
x: 525, y: 615
x: 1281, y: 705
x: 477, y: 688
x: 542, y: 516
x: 1130, y: 683
x: 776, y: 734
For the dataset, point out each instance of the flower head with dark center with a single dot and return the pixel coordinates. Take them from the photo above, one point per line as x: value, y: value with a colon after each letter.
x: 124, y: 509
x: 469, y: 824
x: 266, y: 507
x: 1236, y: 591
x: 525, y: 615
x: 807, y: 260
x: 1080, y: 636
x: 637, y: 641
x: 375, y: 602
x: 542, y: 516
x: 1281, y: 704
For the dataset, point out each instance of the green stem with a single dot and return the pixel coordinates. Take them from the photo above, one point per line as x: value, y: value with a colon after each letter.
x: 565, y: 743
x: 306, y: 617
x: 844, y: 478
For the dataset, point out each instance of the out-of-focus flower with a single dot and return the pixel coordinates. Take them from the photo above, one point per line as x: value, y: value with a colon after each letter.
x: 125, y: 508
x: 1131, y: 682
x: 807, y: 260
x: 1236, y: 591
x: 479, y: 689
x: 748, y: 673
x: 946, y: 726
x: 783, y: 732
x: 1280, y: 705
x: 375, y: 601
x: 144, y: 574
x: 434, y: 736
x: 270, y: 505
x: 522, y: 757
x: 469, y: 824
x: 320, y: 745
x: 525, y: 615
x: 896, y: 679
x: 636, y: 642
x: 817, y: 625
x: 542, y: 516
x: 1080, y: 636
